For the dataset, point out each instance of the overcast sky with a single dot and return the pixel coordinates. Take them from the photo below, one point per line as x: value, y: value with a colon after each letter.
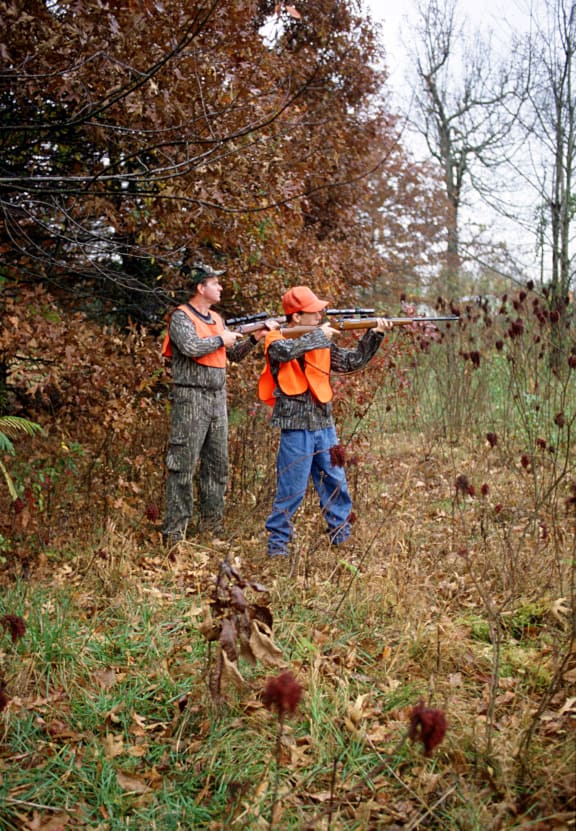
x: 502, y: 18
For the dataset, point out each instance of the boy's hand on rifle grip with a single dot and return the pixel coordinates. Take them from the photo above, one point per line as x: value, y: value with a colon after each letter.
x: 328, y: 330
x: 383, y: 325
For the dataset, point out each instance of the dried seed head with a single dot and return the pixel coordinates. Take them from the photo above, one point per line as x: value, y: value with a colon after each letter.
x: 337, y: 455
x: 282, y: 693
x: 15, y: 625
x: 427, y: 725
x: 462, y: 484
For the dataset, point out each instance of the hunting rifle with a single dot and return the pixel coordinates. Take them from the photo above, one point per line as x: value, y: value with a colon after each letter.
x: 341, y: 319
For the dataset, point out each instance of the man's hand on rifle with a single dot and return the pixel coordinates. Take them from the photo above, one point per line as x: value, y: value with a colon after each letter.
x: 229, y: 338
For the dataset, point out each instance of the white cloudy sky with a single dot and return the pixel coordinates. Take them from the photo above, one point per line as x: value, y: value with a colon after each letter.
x: 500, y: 17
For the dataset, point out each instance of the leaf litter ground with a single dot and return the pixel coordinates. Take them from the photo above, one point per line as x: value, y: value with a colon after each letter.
x: 453, y: 592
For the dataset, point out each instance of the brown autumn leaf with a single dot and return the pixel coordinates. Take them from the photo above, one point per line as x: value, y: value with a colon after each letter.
x: 58, y: 729
x: 113, y: 745
x: 321, y: 796
x: 137, y: 751
x: 258, y: 587
x: 139, y: 725
x: 360, y: 709
x: 54, y: 822
x: 569, y: 706
x: 231, y: 674
x: 132, y: 782
x: 105, y: 678
x: 245, y: 649
x: 208, y: 627
x: 228, y: 639
x: 560, y: 609
x: 238, y: 599
x: 299, y: 748
x: 379, y: 733
x: 263, y: 647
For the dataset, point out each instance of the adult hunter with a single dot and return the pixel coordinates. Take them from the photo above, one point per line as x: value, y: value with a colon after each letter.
x: 200, y: 346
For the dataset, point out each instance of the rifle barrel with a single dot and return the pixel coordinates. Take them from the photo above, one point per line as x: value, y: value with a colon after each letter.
x: 346, y: 323
x: 371, y: 322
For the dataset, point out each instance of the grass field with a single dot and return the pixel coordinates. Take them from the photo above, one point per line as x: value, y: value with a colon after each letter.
x: 456, y: 592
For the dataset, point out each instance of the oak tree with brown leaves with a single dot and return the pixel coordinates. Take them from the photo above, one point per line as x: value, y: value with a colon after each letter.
x: 134, y: 134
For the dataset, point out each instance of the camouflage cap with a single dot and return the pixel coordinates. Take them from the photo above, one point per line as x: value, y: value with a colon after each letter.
x: 198, y: 272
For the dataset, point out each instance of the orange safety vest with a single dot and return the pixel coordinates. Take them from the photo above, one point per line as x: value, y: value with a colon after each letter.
x: 203, y: 330
x: 292, y: 379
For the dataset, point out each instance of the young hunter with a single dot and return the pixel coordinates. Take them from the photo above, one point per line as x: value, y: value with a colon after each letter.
x: 296, y: 382
x: 199, y: 345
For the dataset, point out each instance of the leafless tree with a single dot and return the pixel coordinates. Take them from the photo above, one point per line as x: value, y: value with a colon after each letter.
x: 548, y: 126
x: 465, y: 103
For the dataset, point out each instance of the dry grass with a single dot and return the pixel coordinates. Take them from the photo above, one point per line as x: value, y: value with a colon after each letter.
x: 439, y: 596
x: 456, y: 588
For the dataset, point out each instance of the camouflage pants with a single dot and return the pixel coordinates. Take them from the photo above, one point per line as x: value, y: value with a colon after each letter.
x: 198, y: 432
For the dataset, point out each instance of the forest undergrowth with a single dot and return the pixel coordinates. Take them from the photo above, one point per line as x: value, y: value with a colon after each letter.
x: 422, y: 676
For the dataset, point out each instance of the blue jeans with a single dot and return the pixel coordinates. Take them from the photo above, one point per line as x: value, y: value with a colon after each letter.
x: 301, y: 454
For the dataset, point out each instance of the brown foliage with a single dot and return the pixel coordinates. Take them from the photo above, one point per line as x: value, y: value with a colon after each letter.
x: 130, y: 145
x: 94, y: 390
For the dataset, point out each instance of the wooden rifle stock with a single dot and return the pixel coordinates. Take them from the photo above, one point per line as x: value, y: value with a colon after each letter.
x: 346, y: 323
